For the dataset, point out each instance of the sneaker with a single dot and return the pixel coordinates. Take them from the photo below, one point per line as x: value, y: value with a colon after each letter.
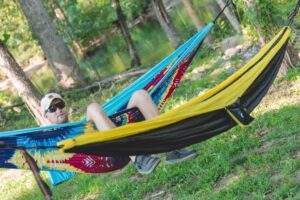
x: 180, y: 155
x: 146, y: 164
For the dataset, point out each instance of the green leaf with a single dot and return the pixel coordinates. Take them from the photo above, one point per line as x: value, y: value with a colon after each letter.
x: 5, y: 38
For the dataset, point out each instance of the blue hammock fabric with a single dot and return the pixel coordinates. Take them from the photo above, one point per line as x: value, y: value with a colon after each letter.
x: 157, y: 81
x: 117, y: 102
x: 58, y: 177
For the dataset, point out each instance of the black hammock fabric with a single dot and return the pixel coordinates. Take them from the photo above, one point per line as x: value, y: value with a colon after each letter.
x: 192, y: 130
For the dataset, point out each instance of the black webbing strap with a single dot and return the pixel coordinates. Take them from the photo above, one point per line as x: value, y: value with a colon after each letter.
x: 228, y: 3
x: 294, y: 13
x: 239, y: 114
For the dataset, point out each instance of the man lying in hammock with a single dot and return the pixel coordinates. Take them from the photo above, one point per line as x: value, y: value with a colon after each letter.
x: 55, y: 110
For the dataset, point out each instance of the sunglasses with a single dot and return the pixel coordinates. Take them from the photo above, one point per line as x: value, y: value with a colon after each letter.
x: 56, y: 106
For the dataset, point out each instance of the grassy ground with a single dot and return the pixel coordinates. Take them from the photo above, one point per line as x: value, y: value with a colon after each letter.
x: 261, y: 161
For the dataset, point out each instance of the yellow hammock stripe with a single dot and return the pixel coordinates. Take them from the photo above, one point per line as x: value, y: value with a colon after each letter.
x: 197, y: 105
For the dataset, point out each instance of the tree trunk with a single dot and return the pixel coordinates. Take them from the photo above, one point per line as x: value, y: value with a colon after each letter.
x: 230, y: 16
x: 135, y: 59
x: 251, y: 8
x: 199, y: 24
x: 22, y: 84
x: 165, y: 21
x: 213, y: 8
x: 291, y: 56
x: 61, y: 16
x: 61, y: 61
x: 76, y: 47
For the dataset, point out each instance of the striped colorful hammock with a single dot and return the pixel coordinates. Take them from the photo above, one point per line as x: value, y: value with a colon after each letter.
x: 41, y: 142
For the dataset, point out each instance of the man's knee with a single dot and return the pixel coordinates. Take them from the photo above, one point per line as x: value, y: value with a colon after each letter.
x: 141, y: 96
x: 94, y: 108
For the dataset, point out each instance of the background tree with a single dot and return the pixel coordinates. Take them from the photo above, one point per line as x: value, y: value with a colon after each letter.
x: 263, y: 17
x: 253, y: 15
x: 121, y: 21
x: 230, y: 16
x: 26, y: 90
x: 165, y: 21
x: 60, y: 59
x: 60, y: 15
x: 213, y: 8
x: 197, y: 19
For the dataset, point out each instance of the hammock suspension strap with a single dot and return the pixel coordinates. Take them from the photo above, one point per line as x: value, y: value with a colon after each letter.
x: 228, y: 3
x: 294, y: 13
x: 239, y: 114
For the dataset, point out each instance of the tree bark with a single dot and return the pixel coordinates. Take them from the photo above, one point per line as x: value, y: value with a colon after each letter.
x: 60, y: 59
x: 213, y: 8
x: 251, y: 7
x: 135, y: 59
x: 26, y: 90
x: 61, y: 16
x: 230, y: 16
x: 291, y: 56
x: 165, y: 21
x: 196, y: 19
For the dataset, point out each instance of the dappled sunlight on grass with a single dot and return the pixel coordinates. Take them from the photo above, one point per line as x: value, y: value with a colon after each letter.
x: 11, y: 180
x: 237, y: 164
x: 234, y: 165
x: 284, y: 94
x: 227, y: 181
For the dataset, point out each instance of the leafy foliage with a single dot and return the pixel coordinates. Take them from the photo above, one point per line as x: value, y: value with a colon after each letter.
x: 15, y: 32
x: 270, y: 15
x: 258, y: 162
x: 90, y: 19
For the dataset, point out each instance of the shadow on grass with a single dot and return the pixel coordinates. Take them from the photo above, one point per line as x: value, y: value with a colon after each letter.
x: 236, y: 154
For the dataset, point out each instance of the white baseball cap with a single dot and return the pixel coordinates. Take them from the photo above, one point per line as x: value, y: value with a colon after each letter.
x: 47, y: 100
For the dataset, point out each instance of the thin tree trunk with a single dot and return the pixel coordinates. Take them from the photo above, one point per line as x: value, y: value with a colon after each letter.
x: 61, y: 61
x: 61, y: 16
x: 196, y: 19
x: 165, y: 21
x: 291, y: 56
x: 251, y: 7
x: 76, y: 47
x: 26, y: 90
x: 135, y: 59
x: 230, y: 16
x: 213, y: 8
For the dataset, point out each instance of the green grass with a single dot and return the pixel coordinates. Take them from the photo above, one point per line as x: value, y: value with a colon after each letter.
x: 261, y: 161
x: 239, y: 164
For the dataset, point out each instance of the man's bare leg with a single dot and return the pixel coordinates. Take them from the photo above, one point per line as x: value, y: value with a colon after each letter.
x: 144, y: 164
x: 143, y: 101
x: 98, y: 116
x: 102, y: 121
x: 140, y: 99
